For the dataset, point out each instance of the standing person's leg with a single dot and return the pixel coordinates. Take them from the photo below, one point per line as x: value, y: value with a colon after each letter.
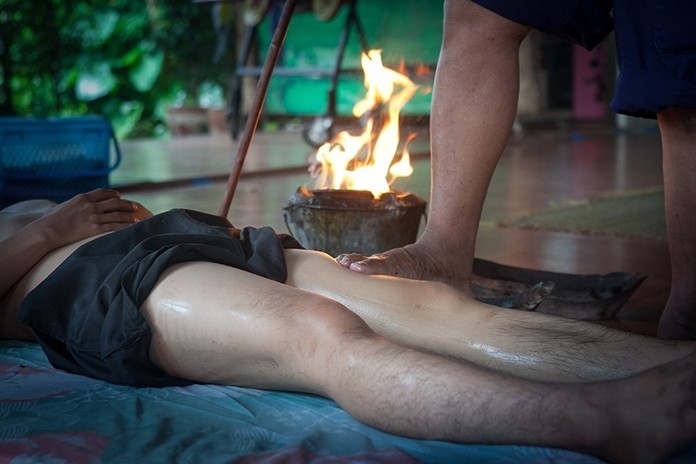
x: 655, y: 43
x: 473, y: 109
x: 218, y: 324
x: 678, y: 129
x: 434, y: 317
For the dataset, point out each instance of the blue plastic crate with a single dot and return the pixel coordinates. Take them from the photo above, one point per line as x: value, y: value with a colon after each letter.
x: 55, y: 158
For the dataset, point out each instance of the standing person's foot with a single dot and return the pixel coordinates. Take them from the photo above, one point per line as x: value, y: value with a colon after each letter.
x: 416, y: 261
x: 677, y: 323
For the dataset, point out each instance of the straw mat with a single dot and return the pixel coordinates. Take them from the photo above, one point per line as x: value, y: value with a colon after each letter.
x: 637, y: 214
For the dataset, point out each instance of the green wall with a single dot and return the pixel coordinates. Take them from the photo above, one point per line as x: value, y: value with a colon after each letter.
x: 406, y: 31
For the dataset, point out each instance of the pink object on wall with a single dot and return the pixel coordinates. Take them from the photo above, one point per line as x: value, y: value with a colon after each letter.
x: 589, y: 83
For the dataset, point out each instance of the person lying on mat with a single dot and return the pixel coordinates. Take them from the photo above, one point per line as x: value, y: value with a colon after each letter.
x: 113, y: 292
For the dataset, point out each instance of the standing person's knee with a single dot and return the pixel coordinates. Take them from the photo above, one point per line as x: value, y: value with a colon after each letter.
x: 677, y: 121
x: 467, y: 19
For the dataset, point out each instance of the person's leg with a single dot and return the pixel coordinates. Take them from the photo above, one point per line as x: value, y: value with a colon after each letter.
x: 473, y: 108
x: 217, y: 324
x: 657, y: 77
x: 678, y: 130
x: 435, y: 317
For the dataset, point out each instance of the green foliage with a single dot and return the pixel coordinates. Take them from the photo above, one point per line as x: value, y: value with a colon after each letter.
x: 125, y: 59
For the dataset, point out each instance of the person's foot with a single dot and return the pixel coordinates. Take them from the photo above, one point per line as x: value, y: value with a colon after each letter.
x: 677, y: 323
x: 648, y: 417
x: 416, y: 261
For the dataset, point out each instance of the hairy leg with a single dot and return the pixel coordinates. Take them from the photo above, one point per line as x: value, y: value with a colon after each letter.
x: 474, y: 106
x: 678, y: 129
x: 216, y: 324
x: 435, y: 317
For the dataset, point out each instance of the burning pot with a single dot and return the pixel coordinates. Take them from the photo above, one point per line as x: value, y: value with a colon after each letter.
x: 340, y: 221
x: 351, y: 206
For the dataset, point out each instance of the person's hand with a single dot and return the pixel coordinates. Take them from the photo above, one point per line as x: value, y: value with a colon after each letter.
x: 89, y: 214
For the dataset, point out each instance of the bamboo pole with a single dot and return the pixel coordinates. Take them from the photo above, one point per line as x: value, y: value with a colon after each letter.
x: 257, y: 105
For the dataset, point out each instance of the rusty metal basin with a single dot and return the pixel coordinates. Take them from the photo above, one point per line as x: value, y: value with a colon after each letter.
x: 345, y: 221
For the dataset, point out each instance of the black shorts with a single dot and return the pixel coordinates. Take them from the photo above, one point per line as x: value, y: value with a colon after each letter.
x: 86, y: 314
x: 655, y: 44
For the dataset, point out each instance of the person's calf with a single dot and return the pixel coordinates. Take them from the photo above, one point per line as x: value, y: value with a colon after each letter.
x: 678, y: 132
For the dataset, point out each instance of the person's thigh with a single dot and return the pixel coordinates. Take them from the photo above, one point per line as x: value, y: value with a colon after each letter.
x: 216, y: 324
x: 656, y: 53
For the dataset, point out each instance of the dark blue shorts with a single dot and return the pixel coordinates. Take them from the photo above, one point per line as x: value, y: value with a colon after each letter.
x: 585, y: 22
x: 656, y: 55
x: 655, y: 44
x: 86, y: 313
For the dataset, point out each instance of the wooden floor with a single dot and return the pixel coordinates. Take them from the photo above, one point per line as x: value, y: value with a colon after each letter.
x: 546, y: 164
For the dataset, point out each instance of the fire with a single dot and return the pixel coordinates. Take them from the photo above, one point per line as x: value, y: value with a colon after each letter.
x: 366, y: 161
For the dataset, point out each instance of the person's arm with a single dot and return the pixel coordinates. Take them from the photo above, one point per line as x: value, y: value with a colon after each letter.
x: 83, y: 216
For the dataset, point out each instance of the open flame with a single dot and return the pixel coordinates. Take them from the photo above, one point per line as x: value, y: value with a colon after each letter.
x: 367, y: 161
